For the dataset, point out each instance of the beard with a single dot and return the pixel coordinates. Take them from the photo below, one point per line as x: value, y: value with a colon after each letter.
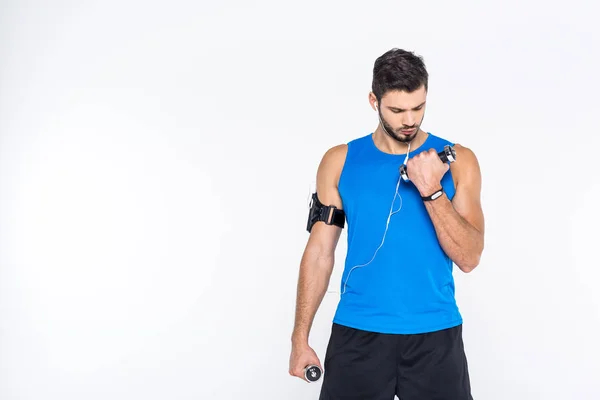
x: 397, y: 134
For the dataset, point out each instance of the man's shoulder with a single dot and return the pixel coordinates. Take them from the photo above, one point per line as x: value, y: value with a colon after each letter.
x: 335, y: 154
x: 334, y: 159
x: 466, y: 168
x: 338, y: 152
x: 464, y: 152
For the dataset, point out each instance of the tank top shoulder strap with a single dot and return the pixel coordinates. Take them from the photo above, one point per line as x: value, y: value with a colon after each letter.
x: 437, y: 142
x: 358, y: 145
x: 357, y: 148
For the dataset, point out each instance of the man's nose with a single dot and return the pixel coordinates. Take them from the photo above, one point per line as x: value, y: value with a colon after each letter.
x: 409, y: 119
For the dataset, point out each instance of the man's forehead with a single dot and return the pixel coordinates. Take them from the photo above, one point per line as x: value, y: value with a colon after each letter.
x: 404, y: 96
x: 404, y: 100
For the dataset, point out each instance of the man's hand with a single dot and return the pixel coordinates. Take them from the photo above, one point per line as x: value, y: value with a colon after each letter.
x: 459, y: 223
x: 302, y: 355
x: 426, y: 171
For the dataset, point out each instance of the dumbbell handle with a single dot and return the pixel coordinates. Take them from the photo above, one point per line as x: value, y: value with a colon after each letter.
x: 446, y: 155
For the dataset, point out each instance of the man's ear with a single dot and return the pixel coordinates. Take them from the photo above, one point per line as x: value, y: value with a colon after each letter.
x: 373, y: 101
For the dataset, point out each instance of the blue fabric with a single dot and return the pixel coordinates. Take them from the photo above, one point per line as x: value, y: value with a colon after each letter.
x: 409, y: 286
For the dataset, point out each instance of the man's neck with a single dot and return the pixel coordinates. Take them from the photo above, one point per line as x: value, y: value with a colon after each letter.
x: 390, y: 145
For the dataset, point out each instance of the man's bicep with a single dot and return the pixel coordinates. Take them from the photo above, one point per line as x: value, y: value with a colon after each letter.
x: 324, y: 235
x: 467, y: 199
x: 328, y: 175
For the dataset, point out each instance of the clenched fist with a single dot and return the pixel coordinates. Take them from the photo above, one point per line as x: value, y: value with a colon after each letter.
x: 426, y: 171
x: 302, y: 355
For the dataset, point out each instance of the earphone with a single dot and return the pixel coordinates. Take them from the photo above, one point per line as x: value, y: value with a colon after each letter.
x: 387, y: 224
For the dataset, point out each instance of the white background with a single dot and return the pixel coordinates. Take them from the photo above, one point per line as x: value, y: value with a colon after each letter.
x: 155, y: 165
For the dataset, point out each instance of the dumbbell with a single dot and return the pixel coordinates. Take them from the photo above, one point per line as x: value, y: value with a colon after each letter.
x: 446, y: 155
x: 312, y: 373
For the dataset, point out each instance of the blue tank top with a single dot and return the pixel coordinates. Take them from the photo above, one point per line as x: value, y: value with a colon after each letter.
x: 408, y: 287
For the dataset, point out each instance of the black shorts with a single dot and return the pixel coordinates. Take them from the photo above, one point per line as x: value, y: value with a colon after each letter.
x: 374, y: 366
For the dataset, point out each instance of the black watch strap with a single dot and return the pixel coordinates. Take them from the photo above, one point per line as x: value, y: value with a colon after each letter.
x: 434, y: 195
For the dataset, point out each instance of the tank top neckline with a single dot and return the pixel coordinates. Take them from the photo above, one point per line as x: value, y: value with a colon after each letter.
x: 383, y: 153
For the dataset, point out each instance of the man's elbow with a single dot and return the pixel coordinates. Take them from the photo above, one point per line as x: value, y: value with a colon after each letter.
x: 472, y: 259
x: 471, y: 262
x: 467, y: 267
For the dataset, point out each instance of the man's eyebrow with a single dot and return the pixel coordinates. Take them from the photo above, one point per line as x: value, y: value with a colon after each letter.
x: 400, y: 109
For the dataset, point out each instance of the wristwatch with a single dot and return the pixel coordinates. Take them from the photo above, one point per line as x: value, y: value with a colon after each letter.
x: 434, y: 195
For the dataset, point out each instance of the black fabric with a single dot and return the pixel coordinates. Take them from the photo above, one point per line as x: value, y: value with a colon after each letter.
x: 373, y: 366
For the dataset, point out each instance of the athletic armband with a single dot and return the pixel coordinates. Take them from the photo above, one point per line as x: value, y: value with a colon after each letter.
x: 331, y: 215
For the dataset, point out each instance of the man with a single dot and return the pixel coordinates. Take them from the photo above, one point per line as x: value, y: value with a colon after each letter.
x: 397, y: 330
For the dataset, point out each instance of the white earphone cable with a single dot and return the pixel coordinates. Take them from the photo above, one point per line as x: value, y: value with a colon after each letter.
x: 387, y: 224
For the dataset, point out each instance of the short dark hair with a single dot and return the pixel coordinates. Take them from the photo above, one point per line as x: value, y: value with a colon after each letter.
x: 398, y: 69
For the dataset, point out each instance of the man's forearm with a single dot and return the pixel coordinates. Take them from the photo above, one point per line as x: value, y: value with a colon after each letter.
x: 313, y: 280
x: 462, y: 242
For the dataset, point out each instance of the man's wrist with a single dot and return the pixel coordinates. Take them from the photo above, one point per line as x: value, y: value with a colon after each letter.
x: 433, y: 194
x: 299, y: 339
x: 428, y: 191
